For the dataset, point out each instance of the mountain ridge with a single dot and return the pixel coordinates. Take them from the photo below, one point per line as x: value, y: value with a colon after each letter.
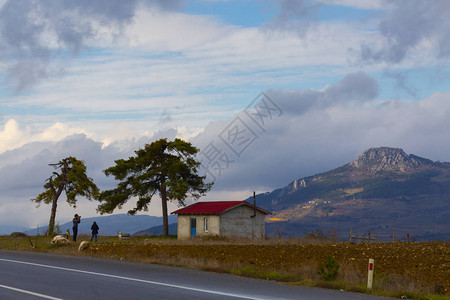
x: 383, y: 188
x: 110, y: 225
x: 388, y: 159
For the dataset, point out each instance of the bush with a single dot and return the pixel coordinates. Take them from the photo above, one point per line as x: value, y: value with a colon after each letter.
x: 57, y: 229
x: 329, y: 269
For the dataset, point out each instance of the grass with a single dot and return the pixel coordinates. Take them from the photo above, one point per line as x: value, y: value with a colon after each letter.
x: 415, y: 270
x: 262, y: 274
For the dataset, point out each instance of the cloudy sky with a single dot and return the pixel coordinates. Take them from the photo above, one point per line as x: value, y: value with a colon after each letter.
x: 269, y: 90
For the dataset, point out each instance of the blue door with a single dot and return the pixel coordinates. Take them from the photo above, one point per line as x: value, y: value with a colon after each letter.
x: 193, y: 227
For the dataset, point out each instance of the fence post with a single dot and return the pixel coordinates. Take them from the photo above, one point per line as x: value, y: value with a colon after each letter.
x: 370, y: 274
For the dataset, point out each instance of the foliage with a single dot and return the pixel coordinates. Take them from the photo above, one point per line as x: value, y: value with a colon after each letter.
x: 329, y: 269
x: 165, y: 167
x: 70, y: 177
x: 58, y: 229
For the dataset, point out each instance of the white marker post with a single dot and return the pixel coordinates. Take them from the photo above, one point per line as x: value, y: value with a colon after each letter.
x: 370, y: 275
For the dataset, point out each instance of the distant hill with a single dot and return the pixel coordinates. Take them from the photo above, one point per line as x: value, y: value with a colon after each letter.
x: 8, y: 229
x: 158, y: 230
x: 384, y: 191
x: 112, y: 224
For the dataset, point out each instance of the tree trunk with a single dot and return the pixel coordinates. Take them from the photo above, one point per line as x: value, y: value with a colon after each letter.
x: 164, y: 210
x: 55, y: 196
x: 51, y: 224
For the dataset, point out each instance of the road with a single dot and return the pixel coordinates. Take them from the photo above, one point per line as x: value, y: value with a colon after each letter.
x: 25, y: 275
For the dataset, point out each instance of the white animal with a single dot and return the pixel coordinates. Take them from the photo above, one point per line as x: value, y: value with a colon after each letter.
x: 60, y: 240
x: 84, y: 245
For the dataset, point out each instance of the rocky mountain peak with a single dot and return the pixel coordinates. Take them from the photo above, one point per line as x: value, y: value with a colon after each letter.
x: 388, y: 159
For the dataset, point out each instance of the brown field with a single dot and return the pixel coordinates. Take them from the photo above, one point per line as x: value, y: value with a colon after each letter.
x: 418, y: 270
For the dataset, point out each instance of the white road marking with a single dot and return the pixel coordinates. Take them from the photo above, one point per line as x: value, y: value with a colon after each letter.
x: 133, y: 279
x: 28, y: 292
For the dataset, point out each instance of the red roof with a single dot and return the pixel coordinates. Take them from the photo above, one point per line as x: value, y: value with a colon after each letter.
x: 213, y: 208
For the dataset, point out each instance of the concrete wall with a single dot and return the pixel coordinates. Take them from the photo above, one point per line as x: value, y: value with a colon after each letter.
x: 184, y: 225
x: 237, y: 223
x: 213, y: 225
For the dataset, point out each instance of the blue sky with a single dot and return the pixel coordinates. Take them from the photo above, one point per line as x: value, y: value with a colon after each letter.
x: 417, y: 82
x: 239, y: 13
x: 113, y: 75
x: 253, y: 13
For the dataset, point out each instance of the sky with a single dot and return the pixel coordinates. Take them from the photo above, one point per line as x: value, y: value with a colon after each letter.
x: 269, y: 90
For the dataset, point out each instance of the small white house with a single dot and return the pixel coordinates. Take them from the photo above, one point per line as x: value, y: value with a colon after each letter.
x: 237, y: 219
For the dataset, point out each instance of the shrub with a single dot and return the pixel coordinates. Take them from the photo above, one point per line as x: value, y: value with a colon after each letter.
x: 329, y: 269
x: 57, y: 229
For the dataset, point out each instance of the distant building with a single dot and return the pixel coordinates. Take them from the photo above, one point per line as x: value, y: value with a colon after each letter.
x: 236, y: 219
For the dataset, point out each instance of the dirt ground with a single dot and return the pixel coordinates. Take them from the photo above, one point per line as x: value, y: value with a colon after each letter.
x: 419, y: 268
x: 426, y: 264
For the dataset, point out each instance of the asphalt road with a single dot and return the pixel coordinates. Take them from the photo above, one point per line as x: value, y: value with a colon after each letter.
x: 25, y: 275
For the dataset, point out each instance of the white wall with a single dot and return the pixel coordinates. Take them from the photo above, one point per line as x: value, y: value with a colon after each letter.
x: 184, y: 225
x: 213, y: 225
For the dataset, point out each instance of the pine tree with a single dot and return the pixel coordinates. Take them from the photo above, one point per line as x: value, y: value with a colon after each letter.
x: 165, y: 167
x: 70, y: 177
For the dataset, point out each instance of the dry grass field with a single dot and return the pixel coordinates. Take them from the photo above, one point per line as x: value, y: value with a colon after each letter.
x: 417, y: 270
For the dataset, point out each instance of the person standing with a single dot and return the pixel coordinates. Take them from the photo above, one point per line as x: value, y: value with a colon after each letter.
x: 76, y: 220
x: 94, y: 229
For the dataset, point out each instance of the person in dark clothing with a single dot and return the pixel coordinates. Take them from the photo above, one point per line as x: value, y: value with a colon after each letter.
x: 94, y: 229
x: 76, y: 220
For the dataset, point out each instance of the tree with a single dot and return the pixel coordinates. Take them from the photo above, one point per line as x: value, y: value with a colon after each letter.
x: 165, y: 167
x: 70, y: 177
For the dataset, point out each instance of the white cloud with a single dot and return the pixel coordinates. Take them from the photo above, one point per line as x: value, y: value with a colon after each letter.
x: 372, y: 4
x: 161, y: 31
x: 34, y: 33
x: 14, y: 136
x: 409, y: 28
x: 57, y: 132
x: 150, y: 72
x: 25, y: 169
x: 318, y: 131
x: 113, y: 93
x: 125, y: 80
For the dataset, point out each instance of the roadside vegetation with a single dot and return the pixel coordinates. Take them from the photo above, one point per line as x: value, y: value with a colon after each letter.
x: 412, y: 270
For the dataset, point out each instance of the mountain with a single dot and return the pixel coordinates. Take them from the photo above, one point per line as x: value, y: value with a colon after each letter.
x: 8, y: 229
x: 383, y: 191
x: 158, y: 230
x: 112, y: 224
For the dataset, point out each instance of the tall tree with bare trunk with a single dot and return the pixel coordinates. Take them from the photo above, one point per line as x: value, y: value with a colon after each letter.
x: 69, y: 177
x: 165, y: 167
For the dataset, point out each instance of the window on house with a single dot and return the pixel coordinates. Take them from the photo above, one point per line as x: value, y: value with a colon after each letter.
x: 205, y: 224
